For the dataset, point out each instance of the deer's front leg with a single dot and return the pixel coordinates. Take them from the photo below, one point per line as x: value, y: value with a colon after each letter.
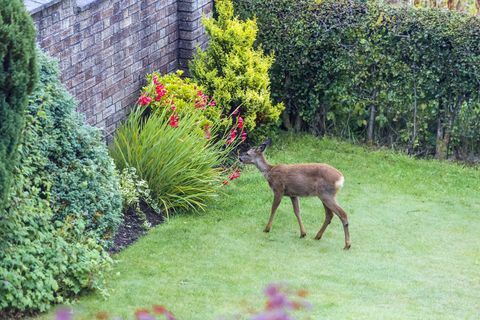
x: 276, y: 202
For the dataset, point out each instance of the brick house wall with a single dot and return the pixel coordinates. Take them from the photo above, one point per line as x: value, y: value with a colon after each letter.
x: 106, y: 47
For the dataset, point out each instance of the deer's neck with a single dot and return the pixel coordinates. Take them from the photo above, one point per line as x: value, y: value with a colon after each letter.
x: 262, y: 165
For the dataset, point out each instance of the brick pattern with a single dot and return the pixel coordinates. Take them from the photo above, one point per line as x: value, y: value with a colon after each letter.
x: 105, y: 47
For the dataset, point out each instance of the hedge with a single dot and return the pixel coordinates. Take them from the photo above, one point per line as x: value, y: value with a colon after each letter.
x: 64, y: 208
x: 403, y: 77
x: 18, y: 75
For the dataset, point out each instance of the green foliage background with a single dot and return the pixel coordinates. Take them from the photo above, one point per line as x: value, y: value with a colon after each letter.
x: 403, y: 77
x: 65, y: 204
x: 18, y: 75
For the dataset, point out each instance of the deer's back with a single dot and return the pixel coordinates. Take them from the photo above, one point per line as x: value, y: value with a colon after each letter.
x: 308, y: 179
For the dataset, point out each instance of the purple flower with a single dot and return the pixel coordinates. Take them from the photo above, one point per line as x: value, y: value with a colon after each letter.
x: 63, y: 314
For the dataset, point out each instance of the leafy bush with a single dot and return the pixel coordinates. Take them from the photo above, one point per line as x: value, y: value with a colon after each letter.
x: 180, y: 166
x: 232, y: 71
x: 171, y: 90
x: 135, y: 190
x: 404, y: 77
x: 65, y: 205
x: 18, y: 75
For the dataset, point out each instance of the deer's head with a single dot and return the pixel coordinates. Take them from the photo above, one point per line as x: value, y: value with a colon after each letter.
x: 254, y: 154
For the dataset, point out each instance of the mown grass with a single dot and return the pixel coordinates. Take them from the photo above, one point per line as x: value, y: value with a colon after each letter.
x: 415, y: 228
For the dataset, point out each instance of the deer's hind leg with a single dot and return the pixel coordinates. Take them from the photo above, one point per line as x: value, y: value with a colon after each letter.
x: 296, y: 209
x: 328, y: 219
x: 333, y: 205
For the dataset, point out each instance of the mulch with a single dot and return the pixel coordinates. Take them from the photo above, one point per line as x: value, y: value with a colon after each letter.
x: 132, y: 227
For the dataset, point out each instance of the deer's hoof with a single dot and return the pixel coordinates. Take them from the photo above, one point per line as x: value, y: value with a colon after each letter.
x: 347, y: 246
x: 302, y: 235
x: 266, y: 230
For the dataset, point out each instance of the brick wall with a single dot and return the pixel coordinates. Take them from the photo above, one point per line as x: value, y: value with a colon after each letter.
x: 105, y: 47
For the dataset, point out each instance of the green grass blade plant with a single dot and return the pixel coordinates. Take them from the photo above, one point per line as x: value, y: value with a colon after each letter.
x: 181, y: 167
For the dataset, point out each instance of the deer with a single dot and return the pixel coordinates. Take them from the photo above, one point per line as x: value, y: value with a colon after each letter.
x: 301, y: 180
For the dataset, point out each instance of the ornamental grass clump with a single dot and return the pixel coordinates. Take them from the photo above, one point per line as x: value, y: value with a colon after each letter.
x: 177, y: 151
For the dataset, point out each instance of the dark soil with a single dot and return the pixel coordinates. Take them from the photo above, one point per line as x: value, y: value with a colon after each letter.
x: 132, y: 227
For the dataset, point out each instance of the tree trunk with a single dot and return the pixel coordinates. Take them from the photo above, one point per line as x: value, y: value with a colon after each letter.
x: 411, y: 146
x: 460, y: 6
x: 297, y: 123
x: 441, y: 147
x: 371, y: 125
x: 286, y: 120
x: 477, y: 4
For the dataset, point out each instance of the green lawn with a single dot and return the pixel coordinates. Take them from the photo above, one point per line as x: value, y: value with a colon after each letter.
x: 414, y: 224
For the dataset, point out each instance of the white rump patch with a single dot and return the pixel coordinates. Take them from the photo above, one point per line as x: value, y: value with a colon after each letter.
x: 339, y: 183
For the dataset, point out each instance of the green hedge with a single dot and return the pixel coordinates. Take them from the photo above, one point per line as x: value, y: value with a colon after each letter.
x: 18, y: 75
x: 404, y: 77
x: 65, y: 204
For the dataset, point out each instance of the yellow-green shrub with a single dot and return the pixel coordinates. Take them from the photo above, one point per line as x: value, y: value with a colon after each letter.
x: 233, y: 71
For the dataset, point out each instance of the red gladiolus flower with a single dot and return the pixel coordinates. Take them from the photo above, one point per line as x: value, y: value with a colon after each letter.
x: 208, y: 134
x: 161, y: 91
x: 200, y: 93
x: 233, y: 135
x: 155, y: 80
x: 243, y: 136
x: 212, y: 103
x: 240, y: 122
x: 200, y: 103
x: 235, y: 175
x: 144, y: 100
x: 173, y: 121
x: 173, y: 108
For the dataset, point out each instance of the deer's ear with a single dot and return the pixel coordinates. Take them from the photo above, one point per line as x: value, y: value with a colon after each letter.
x: 265, y: 144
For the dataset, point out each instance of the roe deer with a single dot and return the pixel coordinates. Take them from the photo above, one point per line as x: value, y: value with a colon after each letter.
x: 301, y: 180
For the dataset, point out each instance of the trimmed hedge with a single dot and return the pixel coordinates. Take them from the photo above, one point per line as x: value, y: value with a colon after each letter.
x: 18, y: 75
x: 404, y: 77
x: 65, y: 204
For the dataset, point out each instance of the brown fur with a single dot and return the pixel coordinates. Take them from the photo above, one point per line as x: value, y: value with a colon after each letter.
x: 301, y: 180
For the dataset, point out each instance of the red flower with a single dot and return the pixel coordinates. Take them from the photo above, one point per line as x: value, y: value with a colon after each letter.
x: 155, y: 80
x: 235, y: 112
x: 161, y: 91
x: 208, y: 134
x: 162, y: 310
x: 173, y: 108
x: 173, y: 121
x: 200, y: 93
x: 144, y: 100
x: 240, y: 122
x: 233, y: 135
x: 200, y: 103
x: 235, y: 175
x: 212, y: 103
x: 243, y: 136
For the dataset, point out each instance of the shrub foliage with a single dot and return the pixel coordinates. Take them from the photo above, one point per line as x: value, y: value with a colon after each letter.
x: 405, y: 77
x: 65, y: 204
x: 233, y: 71
x: 18, y: 75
